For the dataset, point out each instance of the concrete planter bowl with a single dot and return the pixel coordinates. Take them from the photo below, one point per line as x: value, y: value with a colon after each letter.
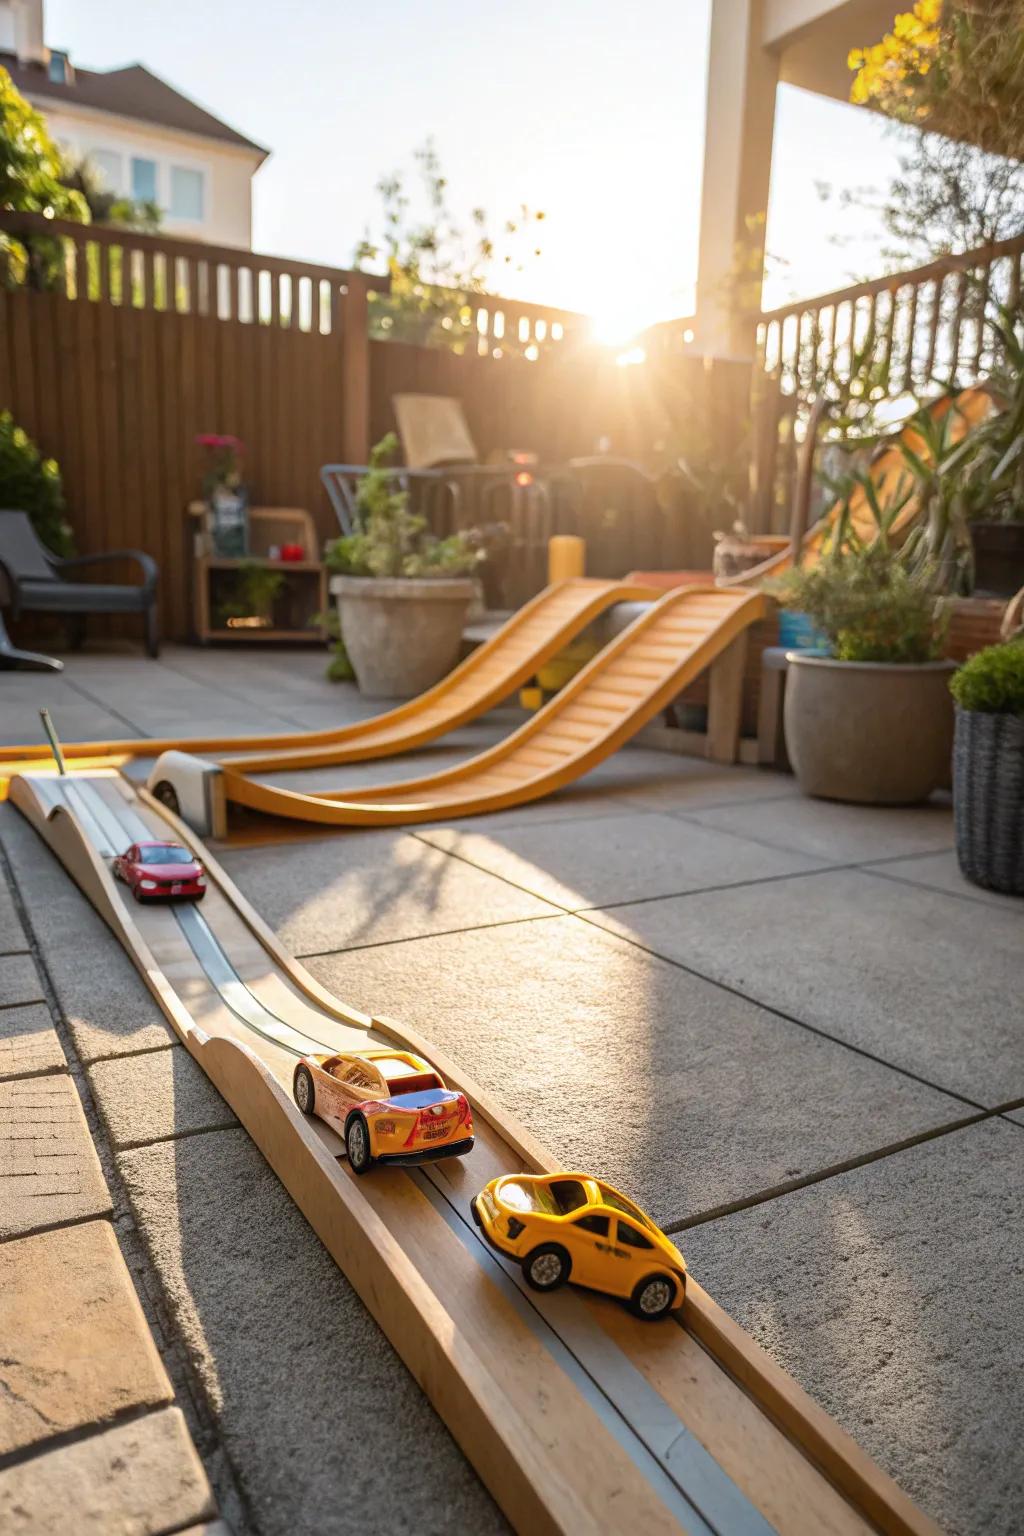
x: 869, y: 732
x: 402, y: 634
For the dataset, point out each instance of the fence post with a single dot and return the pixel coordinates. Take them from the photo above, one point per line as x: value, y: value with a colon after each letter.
x: 355, y: 368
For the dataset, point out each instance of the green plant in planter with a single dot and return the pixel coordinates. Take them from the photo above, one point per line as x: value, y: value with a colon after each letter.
x: 995, y: 489
x: 252, y: 593
x: 869, y: 606
x: 869, y: 600
x: 392, y: 541
x: 29, y: 483
x: 992, y: 681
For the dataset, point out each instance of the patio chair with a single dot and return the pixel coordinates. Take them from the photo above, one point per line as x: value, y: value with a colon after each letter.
x: 37, y: 581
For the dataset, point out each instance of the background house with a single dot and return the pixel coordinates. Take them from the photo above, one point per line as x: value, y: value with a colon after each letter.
x: 147, y: 139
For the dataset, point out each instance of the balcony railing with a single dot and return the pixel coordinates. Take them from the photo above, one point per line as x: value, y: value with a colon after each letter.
x: 900, y: 336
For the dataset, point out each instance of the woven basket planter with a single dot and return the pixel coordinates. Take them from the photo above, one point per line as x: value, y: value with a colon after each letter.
x: 988, y: 799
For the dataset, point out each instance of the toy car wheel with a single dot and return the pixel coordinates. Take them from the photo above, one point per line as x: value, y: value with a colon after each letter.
x: 653, y: 1297
x: 302, y: 1087
x: 136, y: 893
x: 357, y: 1144
x: 167, y: 795
x: 547, y: 1267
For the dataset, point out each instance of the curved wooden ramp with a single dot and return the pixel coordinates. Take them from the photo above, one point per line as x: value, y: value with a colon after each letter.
x: 534, y: 633
x: 578, y: 1417
x: 617, y: 693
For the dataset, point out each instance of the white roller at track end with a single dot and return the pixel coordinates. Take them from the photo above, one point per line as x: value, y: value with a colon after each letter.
x: 193, y: 789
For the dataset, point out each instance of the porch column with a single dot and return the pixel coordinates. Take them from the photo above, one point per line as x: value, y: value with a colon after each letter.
x: 740, y: 119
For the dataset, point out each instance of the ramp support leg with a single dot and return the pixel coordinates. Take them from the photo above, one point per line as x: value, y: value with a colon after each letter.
x: 725, y: 702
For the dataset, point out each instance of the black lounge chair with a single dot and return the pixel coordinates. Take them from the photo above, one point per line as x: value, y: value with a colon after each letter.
x: 37, y: 582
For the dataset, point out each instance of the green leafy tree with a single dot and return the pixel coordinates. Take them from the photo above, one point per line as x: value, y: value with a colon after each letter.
x: 30, y: 182
x: 437, y: 263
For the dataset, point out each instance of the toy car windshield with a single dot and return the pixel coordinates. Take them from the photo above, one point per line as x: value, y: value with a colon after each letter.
x: 165, y: 856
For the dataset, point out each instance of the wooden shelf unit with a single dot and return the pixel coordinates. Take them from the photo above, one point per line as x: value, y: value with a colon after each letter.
x: 268, y: 526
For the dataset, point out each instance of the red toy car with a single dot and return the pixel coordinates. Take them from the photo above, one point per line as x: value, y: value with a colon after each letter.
x: 157, y: 871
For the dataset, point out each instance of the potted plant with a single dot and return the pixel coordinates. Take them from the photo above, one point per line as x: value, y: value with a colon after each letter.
x: 249, y: 596
x: 402, y: 593
x: 988, y: 768
x: 869, y: 720
x: 996, y: 471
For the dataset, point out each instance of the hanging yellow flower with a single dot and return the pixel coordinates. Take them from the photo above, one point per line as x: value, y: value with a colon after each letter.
x: 886, y: 71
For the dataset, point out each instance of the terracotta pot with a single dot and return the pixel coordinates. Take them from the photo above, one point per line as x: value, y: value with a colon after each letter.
x: 869, y: 732
x: 402, y: 634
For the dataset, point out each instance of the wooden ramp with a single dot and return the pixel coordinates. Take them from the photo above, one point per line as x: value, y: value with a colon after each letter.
x: 579, y: 1418
x: 625, y: 686
x: 534, y: 633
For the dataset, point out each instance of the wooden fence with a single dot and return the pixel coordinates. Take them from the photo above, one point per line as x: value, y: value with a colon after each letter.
x: 133, y: 345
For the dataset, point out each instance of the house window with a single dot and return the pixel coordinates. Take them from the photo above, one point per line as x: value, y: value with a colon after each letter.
x: 186, y: 193
x: 143, y: 180
x: 107, y: 165
x: 58, y: 69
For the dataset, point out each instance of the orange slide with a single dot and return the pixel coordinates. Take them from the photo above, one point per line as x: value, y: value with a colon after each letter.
x: 534, y: 633
x: 625, y: 686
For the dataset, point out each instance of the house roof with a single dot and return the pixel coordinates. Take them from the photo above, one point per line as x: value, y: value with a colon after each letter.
x: 133, y: 91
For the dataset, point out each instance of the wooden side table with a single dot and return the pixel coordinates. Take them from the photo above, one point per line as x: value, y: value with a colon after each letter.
x: 305, y: 581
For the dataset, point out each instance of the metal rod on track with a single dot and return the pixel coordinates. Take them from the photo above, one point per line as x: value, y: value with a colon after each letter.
x: 48, y: 727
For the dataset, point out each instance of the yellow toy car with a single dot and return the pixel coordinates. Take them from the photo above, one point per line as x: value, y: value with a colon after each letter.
x: 389, y: 1106
x: 563, y: 1226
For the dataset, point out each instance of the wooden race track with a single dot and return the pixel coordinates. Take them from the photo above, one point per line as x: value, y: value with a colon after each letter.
x: 578, y: 1417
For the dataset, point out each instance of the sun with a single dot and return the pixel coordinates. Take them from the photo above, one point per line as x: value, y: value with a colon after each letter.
x: 616, y: 325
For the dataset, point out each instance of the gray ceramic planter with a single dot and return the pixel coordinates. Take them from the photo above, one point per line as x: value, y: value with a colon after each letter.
x: 402, y: 635
x: 868, y: 732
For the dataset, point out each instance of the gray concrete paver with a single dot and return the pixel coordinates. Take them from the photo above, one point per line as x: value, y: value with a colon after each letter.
x: 626, y: 858
x: 77, y: 1349
x: 941, y: 871
x: 308, y: 1393
x: 28, y: 1042
x: 156, y: 1095
x: 894, y: 1294
x: 685, y: 1096
x: 839, y: 834
x: 142, y: 1478
x: 371, y: 888
x: 108, y: 1007
x: 923, y: 980
x: 12, y: 934
x: 19, y: 981
x: 49, y: 1171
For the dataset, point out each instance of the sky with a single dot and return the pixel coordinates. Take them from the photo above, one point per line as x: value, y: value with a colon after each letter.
x: 590, y: 110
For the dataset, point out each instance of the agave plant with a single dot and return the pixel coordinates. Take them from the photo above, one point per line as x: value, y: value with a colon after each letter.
x: 935, y: 454
x: 995, y: 485
x: 941, y: 470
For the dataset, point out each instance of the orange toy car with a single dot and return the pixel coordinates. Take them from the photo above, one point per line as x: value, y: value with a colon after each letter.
x: 390, y: 1107
x: 570, y: 1226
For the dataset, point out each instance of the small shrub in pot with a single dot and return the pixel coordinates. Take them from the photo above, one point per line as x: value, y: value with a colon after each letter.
x: 403, y: 594
x: 988, y: 768
x: 869, y: 720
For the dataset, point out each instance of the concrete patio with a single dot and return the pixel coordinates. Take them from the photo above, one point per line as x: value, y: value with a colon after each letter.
x: 788, y: 1027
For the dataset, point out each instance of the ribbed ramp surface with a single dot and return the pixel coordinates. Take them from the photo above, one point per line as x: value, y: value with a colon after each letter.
x: 623, y: 688
x: 534, y: 634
